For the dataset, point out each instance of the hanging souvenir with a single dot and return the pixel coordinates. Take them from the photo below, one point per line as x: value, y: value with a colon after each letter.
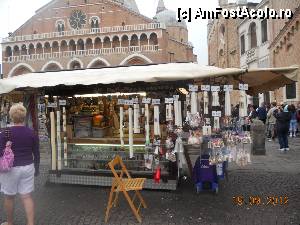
x: 215, y: 98
x: 216, y: 123
x: 243, y: 104
x: 58, y: 138
x: 130, y: 120
x: 156, y: 121
x: 53, y: 144
x: 147, y: 126
x: 65, y: 138
x: 205, y: 101
x: 179, y: 149
x: 136, y: 116
x: 227, y: 104
x: 178, y: 113
x: 206, y: 130
x: 171, y: 156
x: 121, y: 126
x: 193, y: 103
x: 169, y: 115
x: 169, y: 143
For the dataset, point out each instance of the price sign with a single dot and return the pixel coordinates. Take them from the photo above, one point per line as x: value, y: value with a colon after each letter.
x: 205, y: 87
x: 135, y: 101
x: 228, y: 87
x: 215, y: 88
x: 193, y: 87
x: 176, y: 97
x: 121, y: 101
x: 52, y: 105
x: 128, y: 102
x: 243, y: 87
x: 169, y: 100
x: 216, y: 113
x: 62, y: 102
x: 146, y: 100
x: 155, y: 101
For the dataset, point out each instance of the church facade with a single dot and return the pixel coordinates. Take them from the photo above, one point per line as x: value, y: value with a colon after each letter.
x: 82, y: 34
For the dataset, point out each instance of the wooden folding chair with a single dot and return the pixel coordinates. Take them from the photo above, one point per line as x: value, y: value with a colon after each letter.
x: 125, y: 185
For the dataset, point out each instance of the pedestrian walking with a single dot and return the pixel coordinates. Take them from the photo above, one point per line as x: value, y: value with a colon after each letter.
x: 293, y: 122
x: 283, y: 118
x: 271, y: 122
x: 20, y: 178
x: 262, y: 113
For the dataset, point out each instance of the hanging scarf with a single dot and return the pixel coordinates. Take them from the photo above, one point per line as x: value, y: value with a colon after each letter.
x: 130, y: 132
x: 156, y: 121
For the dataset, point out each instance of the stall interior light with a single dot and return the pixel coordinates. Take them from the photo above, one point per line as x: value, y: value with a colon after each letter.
x: 110, y: 94
x: 107, y: 145
x: 183, y: 91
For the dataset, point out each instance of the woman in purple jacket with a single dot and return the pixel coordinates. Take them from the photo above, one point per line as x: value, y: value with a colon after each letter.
x: 20, y: 179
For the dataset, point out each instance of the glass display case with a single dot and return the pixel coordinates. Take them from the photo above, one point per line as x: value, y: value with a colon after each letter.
x: 95, y: 158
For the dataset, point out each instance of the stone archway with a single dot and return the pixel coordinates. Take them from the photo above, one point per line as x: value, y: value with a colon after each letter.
x: 52, y: 66
x: 19, y: 69
x: 136, y: 59
x: 98, y: 63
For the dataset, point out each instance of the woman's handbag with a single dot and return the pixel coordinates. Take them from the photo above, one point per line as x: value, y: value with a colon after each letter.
x: 7, y: 159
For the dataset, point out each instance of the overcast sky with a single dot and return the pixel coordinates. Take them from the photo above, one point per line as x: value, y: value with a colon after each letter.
x: 13, y: 13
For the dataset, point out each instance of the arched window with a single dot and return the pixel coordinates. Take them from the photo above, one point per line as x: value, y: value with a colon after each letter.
x: 94, y: 21
x: 8, y: 51
x: 243, y: 44
x: 264, y: 30
x: 60, y: 25
x: 252, y: 34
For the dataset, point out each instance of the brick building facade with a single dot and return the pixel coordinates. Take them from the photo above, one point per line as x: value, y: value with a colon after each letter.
x: 283, y: 41
x: 285, y: 47
x: 223, y: 41
x: 92, y: 34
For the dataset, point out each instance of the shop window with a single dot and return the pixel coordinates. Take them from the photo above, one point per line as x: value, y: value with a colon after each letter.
x: 290, y: 91
x: 242, y: 44
x: 252, y: 34
x: 264, y: 31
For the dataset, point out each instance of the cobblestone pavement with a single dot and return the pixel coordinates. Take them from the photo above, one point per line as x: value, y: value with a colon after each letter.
x: 276, y: 174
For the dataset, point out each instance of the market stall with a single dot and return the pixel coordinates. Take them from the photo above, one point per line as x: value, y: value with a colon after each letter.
x: 149, y: 115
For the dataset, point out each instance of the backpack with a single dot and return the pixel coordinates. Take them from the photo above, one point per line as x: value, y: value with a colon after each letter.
x: 7, y: 159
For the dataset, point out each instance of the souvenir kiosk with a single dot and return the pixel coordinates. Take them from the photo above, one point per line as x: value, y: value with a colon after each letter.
x: 149, y: 115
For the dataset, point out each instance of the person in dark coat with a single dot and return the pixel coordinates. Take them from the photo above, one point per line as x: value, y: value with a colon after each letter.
x: 283, y: 118
x: 262, y: 113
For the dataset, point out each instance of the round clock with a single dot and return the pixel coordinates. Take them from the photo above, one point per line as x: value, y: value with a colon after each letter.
x: 77, y: 19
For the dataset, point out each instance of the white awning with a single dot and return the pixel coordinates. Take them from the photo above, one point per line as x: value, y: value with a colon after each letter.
x: 258, y: 79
